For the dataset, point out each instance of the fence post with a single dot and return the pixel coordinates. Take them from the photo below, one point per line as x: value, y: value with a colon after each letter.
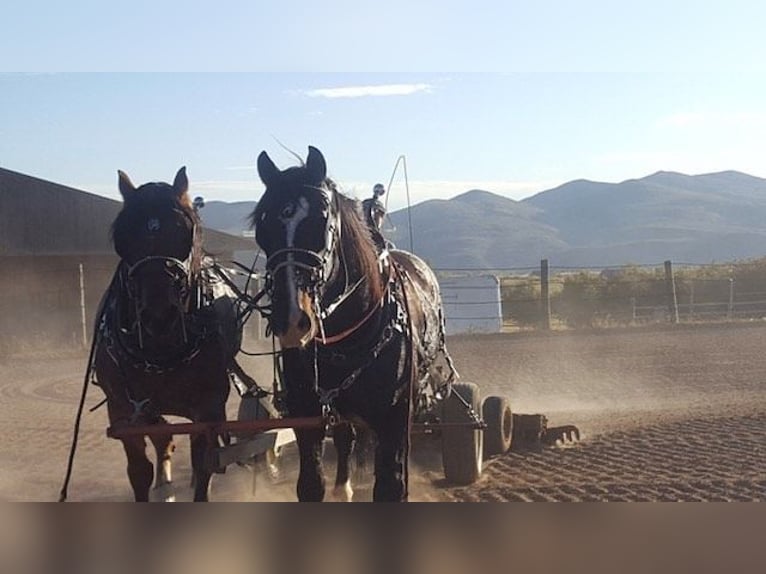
x: 691, y: 300
x: 545, y: 295
x: 633, y: 310
x: 670, y: 285
x: 730, y: 308
x: 83, y: 319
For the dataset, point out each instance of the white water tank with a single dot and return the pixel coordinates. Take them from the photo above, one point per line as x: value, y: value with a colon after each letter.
x: 472, y: 304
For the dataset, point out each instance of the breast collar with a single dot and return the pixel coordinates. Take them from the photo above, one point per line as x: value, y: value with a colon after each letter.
x: 385, y: 321
x: 386, y: 264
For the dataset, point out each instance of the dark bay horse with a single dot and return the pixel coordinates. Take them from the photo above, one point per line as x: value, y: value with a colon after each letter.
x: 167, y: 331
x: 360, y: 328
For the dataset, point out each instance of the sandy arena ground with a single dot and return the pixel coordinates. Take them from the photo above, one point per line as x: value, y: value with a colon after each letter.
x: 665, y: 414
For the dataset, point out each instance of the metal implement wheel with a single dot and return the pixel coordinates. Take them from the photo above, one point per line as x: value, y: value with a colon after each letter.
x: 496, y: 412
x: 462, y: 451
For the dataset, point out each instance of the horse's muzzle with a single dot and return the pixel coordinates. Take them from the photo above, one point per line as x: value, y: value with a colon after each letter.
x: 158, y: 322
x: 300, y: 327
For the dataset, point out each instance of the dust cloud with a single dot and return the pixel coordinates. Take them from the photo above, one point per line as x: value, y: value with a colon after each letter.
x: 601, y: 381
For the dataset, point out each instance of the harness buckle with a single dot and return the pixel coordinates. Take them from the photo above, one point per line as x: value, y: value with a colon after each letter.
x: 331, y: 417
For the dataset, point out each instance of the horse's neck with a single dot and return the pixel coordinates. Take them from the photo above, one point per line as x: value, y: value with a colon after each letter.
x: 349, y: 296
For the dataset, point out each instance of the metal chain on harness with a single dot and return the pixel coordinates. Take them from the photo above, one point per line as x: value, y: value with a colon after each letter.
x: 328, y: 396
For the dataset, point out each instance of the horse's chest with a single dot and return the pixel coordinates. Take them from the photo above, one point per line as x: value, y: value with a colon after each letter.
x: 180, y: 391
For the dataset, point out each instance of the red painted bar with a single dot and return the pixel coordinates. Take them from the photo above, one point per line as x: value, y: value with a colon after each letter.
x: 253, y: 426
x: 216, y: 427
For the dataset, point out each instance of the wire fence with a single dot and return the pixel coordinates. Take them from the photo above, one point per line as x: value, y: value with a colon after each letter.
x: 50, y: 306
x: 634, y: 295
x: 54, y: 306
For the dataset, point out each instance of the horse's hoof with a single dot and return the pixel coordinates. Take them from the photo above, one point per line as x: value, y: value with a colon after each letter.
x: 164, y: 493
x: 343, y: 492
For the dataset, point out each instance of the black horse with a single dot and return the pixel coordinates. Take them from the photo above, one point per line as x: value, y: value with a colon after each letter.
x: 168, y: 330
x: 360, y: 328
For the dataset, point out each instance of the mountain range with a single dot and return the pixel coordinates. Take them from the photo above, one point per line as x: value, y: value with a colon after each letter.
x: 706, y: 218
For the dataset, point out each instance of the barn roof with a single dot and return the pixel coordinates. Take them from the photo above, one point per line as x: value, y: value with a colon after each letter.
x: 39, y: 217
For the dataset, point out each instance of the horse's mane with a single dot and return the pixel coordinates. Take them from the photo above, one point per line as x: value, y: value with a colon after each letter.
x: 356, y: 242
x: 161, y: 197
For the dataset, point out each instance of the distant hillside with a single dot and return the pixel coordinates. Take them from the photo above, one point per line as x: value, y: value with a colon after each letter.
x: 667, y: 215
x: 697, y: 219
x: 475, y: 229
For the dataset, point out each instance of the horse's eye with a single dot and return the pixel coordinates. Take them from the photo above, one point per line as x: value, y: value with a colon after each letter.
x: 288, y: 211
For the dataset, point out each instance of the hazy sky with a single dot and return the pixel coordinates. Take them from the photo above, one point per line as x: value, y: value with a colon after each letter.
x: 594, y: 90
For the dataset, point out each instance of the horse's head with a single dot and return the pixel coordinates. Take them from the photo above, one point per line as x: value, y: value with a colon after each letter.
x: 156, y: 236
x: 296, y: 225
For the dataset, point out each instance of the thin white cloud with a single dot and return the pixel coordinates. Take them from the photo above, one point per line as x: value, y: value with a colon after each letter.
x: 365, y: 91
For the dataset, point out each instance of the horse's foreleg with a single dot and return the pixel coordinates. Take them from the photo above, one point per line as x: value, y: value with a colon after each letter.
x: 363, y: 441
x: 140, y: 468
x: 202, y: 474
x: 343, y: 436
x: 163, y: 482
x: 311, y: 483
x: 391, y: 457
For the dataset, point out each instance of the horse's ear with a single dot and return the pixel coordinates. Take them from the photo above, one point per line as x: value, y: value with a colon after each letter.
x: 127, y: 189
x: 316, y: 165
x: 267, y: 171
x: 181, y: 182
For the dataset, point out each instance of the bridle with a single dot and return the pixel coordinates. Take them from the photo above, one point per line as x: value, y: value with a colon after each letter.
x: 182, y: 274
x: 179, y: 270
x: 318, y: 267
x: 318, y: 264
